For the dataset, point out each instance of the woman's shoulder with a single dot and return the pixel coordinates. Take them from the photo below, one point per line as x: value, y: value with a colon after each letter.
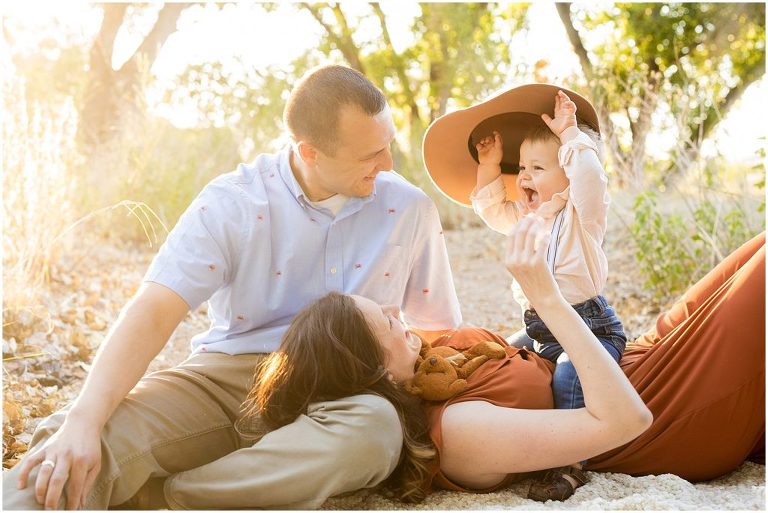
x: 467, y: 336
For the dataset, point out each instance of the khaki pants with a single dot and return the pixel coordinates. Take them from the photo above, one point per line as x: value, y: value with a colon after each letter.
x: 179, y: 423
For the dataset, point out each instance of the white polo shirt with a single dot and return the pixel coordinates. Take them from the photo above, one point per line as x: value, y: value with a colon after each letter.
x: 254, y: 247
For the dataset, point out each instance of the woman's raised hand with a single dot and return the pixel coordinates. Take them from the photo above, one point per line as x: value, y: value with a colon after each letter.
x: 526, y: 258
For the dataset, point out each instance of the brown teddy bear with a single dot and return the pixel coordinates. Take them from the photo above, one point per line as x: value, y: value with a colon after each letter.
x: 441, y: 371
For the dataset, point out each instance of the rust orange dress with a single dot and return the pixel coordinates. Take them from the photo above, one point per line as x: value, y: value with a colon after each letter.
x: 701, y: 372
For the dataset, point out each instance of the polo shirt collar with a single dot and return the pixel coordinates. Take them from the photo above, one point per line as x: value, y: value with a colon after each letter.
x: 354, y: 204
x: 284, y: 168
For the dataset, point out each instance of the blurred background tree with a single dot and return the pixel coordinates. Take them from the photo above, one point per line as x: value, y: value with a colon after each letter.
x: 113, y: 93
x: 672, y: 71
x: 693, y: 60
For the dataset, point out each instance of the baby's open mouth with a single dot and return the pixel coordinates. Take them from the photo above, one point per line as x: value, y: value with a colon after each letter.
x: 530, y: 195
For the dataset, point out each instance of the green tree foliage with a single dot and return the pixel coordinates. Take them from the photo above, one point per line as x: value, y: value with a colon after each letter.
x: 459, y: 55
x: 694, y: 60
x: 246, y: 100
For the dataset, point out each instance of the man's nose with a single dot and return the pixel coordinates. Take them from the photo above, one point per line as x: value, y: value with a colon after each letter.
x: 385, y: 162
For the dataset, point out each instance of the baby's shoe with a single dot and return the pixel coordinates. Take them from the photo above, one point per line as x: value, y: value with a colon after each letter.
x: 557, y: 484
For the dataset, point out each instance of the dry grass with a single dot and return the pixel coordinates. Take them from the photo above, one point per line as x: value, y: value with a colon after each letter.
x: 38, y: 190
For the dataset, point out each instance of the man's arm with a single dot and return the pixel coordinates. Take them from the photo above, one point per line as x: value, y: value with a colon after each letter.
x: 140, y: 332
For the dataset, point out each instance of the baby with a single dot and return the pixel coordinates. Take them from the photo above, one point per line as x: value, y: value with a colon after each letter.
x: 562, y: 180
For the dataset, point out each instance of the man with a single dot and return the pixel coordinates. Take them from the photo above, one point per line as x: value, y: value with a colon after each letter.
x: 258, y: 244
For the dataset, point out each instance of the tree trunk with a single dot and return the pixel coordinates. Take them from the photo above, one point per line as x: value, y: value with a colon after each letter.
x: 110, y: 93
x: 343, y: 42
x: 698, y: 132
x: 405, y: 84
x: 640, y: 128
x: 99, y: 108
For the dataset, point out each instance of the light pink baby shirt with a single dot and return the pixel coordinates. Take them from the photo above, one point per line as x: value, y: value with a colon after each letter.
x: 580, y: 265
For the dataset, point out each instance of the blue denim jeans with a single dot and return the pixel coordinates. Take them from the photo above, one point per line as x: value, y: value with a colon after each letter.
x: 601, y: 319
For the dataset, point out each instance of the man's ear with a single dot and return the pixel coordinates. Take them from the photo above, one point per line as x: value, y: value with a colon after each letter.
x: 307, y: 152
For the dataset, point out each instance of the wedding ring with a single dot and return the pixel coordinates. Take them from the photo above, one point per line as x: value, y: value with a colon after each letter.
x: 48, y: 463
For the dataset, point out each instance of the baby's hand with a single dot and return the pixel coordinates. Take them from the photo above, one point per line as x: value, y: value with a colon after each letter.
x: 490, y: 149
x: 565, y: 114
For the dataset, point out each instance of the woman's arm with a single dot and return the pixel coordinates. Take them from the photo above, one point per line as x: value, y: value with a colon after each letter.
x: 476, y: 453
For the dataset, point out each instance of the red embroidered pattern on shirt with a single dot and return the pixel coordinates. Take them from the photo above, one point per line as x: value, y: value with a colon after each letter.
x: 211, y: 267
x: 391, y: 210
x: 425, y: 291
x: 358, y: 266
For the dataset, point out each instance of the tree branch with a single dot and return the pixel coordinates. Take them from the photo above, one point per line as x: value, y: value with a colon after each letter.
x: 714, y: 116
x: 439, y: 69
x: 342, y: 42
x: 347, y: 46
x: 101, y: 52
x: 410, y: 100
x: 564, y: 11
x: 699, y: 132
x: 164, y: 27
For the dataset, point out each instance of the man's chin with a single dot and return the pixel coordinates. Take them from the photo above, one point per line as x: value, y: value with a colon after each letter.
x: 363, y: 192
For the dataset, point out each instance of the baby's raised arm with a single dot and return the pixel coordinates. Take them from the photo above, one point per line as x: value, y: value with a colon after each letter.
x: 490, y: 150
x: 578, y: 156
x: 489, y: 197
x: 565, y: 114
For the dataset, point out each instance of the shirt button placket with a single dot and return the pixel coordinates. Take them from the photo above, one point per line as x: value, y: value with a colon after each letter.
x: 334, y: 279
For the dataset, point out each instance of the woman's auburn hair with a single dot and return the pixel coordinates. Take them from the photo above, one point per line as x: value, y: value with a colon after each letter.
x: 329, y: 352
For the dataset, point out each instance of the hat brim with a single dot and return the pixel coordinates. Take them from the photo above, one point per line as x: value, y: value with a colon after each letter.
x: 449, y: 151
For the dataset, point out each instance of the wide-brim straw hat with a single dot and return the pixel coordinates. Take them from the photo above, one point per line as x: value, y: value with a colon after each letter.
x: 450, y: 156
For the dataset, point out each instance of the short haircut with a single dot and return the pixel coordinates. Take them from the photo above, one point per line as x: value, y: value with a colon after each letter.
x: 312, y: 110
x: 540, y: 132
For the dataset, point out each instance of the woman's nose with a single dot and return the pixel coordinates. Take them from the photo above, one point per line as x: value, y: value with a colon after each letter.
x: 393, y: 310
